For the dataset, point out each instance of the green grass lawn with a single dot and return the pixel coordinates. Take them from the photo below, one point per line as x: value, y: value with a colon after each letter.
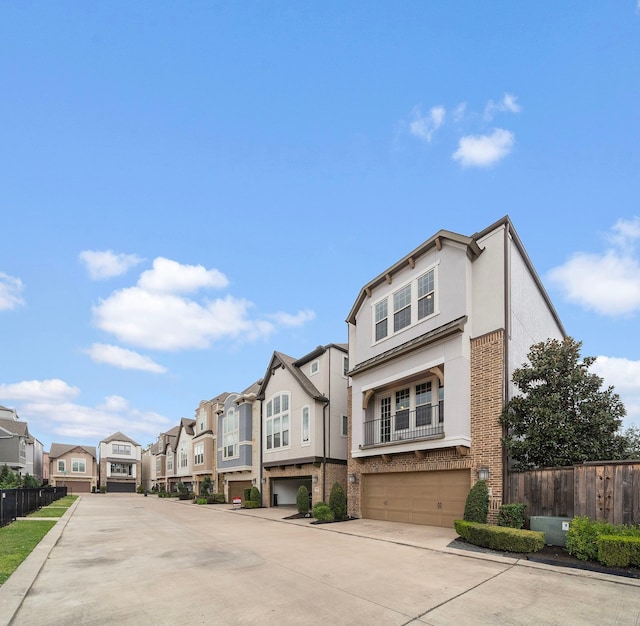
x: 17, y: 540
x: 55, y: 509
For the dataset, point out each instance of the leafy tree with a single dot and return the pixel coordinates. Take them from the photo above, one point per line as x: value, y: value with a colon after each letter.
x: 302, y: 500
x: 338, y: 502
x: 563, y: 415
x: 632, y: 442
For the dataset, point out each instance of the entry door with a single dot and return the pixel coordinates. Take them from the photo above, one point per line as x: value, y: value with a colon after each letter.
x: 385, y: 419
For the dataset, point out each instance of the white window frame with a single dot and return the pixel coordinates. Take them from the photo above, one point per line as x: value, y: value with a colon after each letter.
x: 170, y: 459
x: 378, y: 315
x: 62, y: 466
x: 78, y: 462
x: 121, y: 449
x: 305, y: 416
x: 202, y: 419
x: 278, y: 422
x: 231, y: 434
x: 198, y: 454
x: 344, y: 426
x: 184, y: 457
x: 345, y: 366
x: 314, y: 367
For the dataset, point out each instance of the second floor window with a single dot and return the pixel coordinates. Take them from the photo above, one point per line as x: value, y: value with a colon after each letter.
x: 169, y: 460
x: 184, y: 461
x: 78, y: 466
x: 305, y: 424
x: 198, y: 454
x: 62, y: 466
x: 121, y: 448
x: 23, y: 450
x: 278, y: 422
x: 230, y: 434
x: 402, y: 308
x: 158, y: 465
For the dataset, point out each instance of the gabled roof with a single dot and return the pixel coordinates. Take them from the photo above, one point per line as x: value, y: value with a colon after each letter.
x: 60, y: 449
x: 119, y: 437
x: 15, y: 427
x: 186, y: 426
x: 286, y: 362
x: 314, y: 354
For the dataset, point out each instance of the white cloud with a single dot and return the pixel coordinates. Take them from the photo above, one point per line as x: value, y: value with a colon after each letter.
x: 423, y: 126
x: 155, y: 314
x: 107, y: 264
x: 616, y: 271
x: 39, y: 390
x: 508, y: 104
x: 484, y: 150
x: 624, y: 376
x: 10, y: 290
x: 169, y: 276
x: 125, y: 359
x: 459, y: 111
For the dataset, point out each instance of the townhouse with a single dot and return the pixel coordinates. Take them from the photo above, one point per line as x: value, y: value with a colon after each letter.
x: 73, y: 466
x: 120, y: 463
x: 304, y: 424
x: 433, y: 342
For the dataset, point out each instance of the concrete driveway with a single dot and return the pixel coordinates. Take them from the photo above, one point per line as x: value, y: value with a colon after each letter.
x: 127, y: 559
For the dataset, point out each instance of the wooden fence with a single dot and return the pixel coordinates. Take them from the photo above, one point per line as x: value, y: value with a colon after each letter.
x: 602, y: 491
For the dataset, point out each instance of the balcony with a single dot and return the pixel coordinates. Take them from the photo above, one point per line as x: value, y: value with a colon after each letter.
x: 423, y: 423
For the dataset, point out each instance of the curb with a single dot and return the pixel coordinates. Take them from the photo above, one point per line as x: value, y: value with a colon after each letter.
x: 14, y: 590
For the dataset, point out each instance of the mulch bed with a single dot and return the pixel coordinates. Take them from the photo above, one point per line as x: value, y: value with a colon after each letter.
x: 553, y: 555
x: 317, y: 521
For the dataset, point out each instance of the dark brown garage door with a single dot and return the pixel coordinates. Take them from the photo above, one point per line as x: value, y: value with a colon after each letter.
x: 237, y: 487
x: 77, y: 486
x: 432, y: 498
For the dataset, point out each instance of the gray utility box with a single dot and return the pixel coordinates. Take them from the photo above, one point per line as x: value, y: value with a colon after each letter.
x: 554, y: 528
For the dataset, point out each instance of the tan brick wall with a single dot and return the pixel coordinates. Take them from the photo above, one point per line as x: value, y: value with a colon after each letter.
x: 487, y: 380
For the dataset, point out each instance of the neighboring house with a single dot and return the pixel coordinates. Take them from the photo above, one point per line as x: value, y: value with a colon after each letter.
x: 35, y: 458
x: 73, y: 466
x: 14, y: 439
x: 238, y: 443
x: 183, y: 460
x: 120, y: 464
x: 204, y: 442
x: 148, y: 466
x: 433, y: 342
x: 8, y: 414
x: 164, y: 459
x: 45, y: 468
x: 304, y: 424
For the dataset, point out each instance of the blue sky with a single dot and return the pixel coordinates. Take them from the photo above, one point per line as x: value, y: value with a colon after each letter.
x: 186, y: 187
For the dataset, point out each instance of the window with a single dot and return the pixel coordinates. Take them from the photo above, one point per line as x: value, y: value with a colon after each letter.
x: 78, y: 466
x: 121, y: 469
x: 230, y: 434
x: 345, y: 365
x: 23, y: 450
x: 198, y: 454
x: 419, y: 294
x: 381, y: 320
x: 121, y: 448
x: 62, y: 466
x: 169, y: 460
x: 184, y: 460
x: 305, y: 424
x: 423, y: 404
x: 202, y: 418
x: 315, y: 367
x: 426, y: 294
x: 345, y: 426
x: 402, y: 308
x: 402, y: 409
x: 278, y: 422
x: 158, y: 465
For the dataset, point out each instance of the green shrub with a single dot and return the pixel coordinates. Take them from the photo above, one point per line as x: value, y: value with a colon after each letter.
x: 619, y: 550
x: 583, y: 535
x: 250, y: 504
x: 338, y: 502
x: 215, y: 498
x: 202, y: 501
x: 322, y: 512
x: 246, y: 494
x: 103, y: 489
x: 255, y: 495
x: 512, y: 515
x: 139, y: 489
x: 476, y: 507
x: 302, y: 500
x: 500, y: 537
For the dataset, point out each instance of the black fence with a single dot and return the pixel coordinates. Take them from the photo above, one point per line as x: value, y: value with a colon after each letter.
x: 20, y: 502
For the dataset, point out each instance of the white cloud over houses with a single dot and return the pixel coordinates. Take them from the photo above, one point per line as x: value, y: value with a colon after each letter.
x: 484, y: 150
x: 123, y: 358
x: 51, y: 413
x: 11, y: 289
x: 624, y: 376
x: 615, y: 270
x: 508, y: 104
x: 423, y: 126
x: 162, y: 312
x: 107, y: 264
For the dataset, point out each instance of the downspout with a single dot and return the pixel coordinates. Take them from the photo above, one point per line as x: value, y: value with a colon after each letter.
x: 505, y: 357
x: 324, y: 450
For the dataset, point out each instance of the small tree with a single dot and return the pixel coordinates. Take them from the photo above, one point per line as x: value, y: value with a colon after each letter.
x: 255, y: 495
x: 205, y: 486
x: 302, y: 500
x: 338, y: 502
x: 563, y: 415
x: 476, y: 507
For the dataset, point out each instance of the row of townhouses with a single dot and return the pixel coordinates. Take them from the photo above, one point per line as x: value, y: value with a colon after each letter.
x: 405, y: 415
